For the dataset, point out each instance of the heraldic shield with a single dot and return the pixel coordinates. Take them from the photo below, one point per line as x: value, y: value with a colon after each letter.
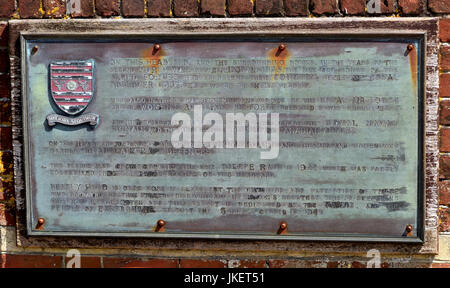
x: 72, y: 89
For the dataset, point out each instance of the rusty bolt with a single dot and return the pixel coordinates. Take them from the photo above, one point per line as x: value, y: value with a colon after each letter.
x: 282, y: 47
x: 156, y: 47
x: 410, y: 47
x: 40, y: 224
x: 160, y: 225
x: 283, y: 227
x: 34, y: 50
x: 409, y: 228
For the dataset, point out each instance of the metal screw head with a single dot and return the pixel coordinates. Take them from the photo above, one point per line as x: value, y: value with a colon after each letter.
x: 41, y: 221
x: 410, y: 47
x: 282, y: 47
x: 161, y: 223
x: 409, y: 228
x: 156, y: 47
x: 34, y: 50
x: 283, y: 225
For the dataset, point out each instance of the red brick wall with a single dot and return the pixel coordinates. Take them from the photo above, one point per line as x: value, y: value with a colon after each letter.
x: 444, y: 118
x: 62, y: 261
x: 28, y: 9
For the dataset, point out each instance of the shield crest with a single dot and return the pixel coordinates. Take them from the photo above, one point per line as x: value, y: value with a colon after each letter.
x: 72, y: 85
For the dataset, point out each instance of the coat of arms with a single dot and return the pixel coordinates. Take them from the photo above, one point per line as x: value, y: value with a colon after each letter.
x: 72, y: 89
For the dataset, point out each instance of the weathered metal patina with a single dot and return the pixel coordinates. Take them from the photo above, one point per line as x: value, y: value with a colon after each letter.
x: 350, y: 162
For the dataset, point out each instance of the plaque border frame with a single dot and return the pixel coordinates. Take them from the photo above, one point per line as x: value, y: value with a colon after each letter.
x: 423, y: 89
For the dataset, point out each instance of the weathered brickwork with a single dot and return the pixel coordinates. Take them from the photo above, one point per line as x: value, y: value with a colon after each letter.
x: 14, y: 256
x: 159, y: 8
x: 133, y: 8
x: 444, y: 115
x: 54, y: 8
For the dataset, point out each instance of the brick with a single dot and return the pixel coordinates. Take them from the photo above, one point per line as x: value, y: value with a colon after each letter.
x: 444, y: 188
x: 386, y: 6
x: 85, y: 262
x: 6, y: 178
x: 7, y: 215
x: 30, y: 9
x: 7, y: 8
x: 440, y: 265
x: 4, y: 86
x: 5, y: 113
x: 4, y: 61
x: 54, y: 8
x: 444, y: 219
x: 159, y: 8
x: 444, y: 140
x: 213, y: 7
x: 6, y: 189
x: 202, y: 263
x: 439, y: 6
x: 246, y: 264
x: 410, y: 7
x: 333, y: 264
x: 445, y: 58
x: 295, y: 7
x: 353, y: 7
x: 107, y: 8
x: 3, y: 35
x: 6, y: 165
x: 297, y: 264
x: 133, y: 8
x: 185, y: 8
x: 444, y: 30
x: 5, y: 138
x: 444, y: 85
x: 323, y: 6
x: 30, y: 261
x: 139, y: 263
x: 444, y: 112
x: 80, y: 8
x: 269, y: 7
x: 240, y: 7
x: 358, y: 264
x: 281, y: 264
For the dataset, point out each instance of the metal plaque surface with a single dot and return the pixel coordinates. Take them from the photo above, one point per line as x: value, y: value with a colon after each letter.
x: 252, y: 137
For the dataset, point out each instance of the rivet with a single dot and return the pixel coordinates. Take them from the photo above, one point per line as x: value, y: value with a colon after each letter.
x: 40, y: 224
x: 409, y: 228
x: 283, y: 227
x: 282, y: 47
x: 34, y: 50
x: 160, y: 225
x: 410, y: 47
x: 156, y: 48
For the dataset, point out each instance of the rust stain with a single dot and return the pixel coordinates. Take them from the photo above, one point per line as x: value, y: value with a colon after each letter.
x: 279, y: 58
x: 153, y: 57
x: 413, y: 66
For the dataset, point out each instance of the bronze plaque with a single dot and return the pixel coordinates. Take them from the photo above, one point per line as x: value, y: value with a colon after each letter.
x: 278, y: 137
